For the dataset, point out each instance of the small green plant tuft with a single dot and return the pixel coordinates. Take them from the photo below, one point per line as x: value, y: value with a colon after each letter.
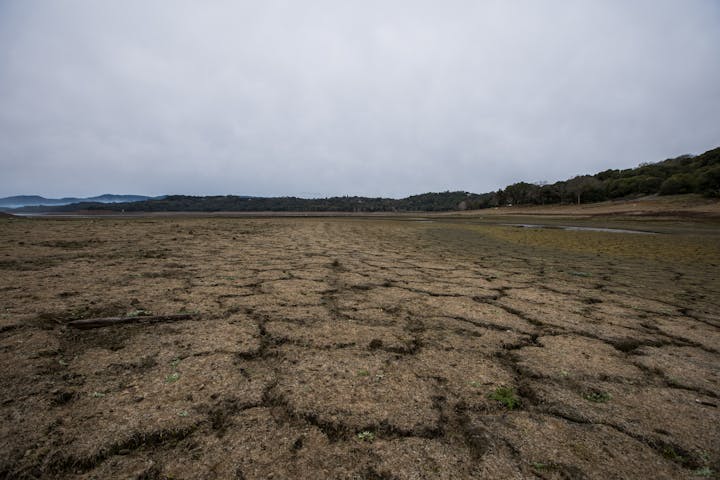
x: 704, y: 472
x: 366, y: 436
x: 363, y: 373
x: 597, y: 397
x: 580, y: 274
x: 506, y: 396
x: 98, y: 395
x: 671, y: 454
x: 172, y: 378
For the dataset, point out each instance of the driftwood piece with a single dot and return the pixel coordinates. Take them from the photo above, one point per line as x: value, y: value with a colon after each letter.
x: 88, y: 323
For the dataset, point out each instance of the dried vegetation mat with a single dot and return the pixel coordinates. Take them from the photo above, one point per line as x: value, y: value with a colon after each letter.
x: 356, y: 349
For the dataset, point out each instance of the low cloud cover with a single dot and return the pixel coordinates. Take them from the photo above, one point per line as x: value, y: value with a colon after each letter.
x: 320, y: 98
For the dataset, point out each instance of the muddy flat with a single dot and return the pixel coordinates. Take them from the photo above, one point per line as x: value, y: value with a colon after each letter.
x: 359, y: 348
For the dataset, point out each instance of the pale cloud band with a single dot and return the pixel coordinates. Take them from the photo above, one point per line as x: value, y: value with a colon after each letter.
x: 326, y: 97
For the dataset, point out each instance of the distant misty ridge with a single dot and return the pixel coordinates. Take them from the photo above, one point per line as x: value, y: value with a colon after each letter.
x: 19, y: 201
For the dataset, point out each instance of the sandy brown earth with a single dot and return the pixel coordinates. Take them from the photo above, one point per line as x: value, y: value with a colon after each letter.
x: 358, y: 349
x: 690, y: 205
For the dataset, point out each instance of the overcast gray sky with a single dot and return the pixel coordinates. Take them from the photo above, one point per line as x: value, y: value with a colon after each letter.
x: 328, y: 97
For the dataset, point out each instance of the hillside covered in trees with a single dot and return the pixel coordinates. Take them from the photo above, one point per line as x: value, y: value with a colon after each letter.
x: 685, y: 174
x: 429, y: 202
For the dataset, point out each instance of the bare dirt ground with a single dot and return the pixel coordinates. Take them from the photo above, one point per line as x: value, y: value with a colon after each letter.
x: 358, y: 349
x: 665, y: 206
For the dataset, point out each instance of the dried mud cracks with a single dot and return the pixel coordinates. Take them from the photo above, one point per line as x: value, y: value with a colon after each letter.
x: 329, y: 348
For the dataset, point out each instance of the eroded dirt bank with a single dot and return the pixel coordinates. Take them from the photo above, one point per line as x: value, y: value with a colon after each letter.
x: 356, y: 348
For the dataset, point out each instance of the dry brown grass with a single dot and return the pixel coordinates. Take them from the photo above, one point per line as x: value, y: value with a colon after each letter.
x: 311, y: 332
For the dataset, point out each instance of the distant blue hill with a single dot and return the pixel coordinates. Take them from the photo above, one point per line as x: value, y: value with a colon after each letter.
x: 19, y: 201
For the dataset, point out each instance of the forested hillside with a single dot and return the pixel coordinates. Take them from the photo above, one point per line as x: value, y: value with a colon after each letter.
x: 685, y: 174
x: 183, y: 203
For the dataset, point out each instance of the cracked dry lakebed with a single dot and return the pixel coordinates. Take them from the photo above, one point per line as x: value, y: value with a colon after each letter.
x: 358, y: 348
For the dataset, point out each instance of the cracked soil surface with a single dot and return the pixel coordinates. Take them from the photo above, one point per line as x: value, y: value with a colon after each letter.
x: 357, y: 349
